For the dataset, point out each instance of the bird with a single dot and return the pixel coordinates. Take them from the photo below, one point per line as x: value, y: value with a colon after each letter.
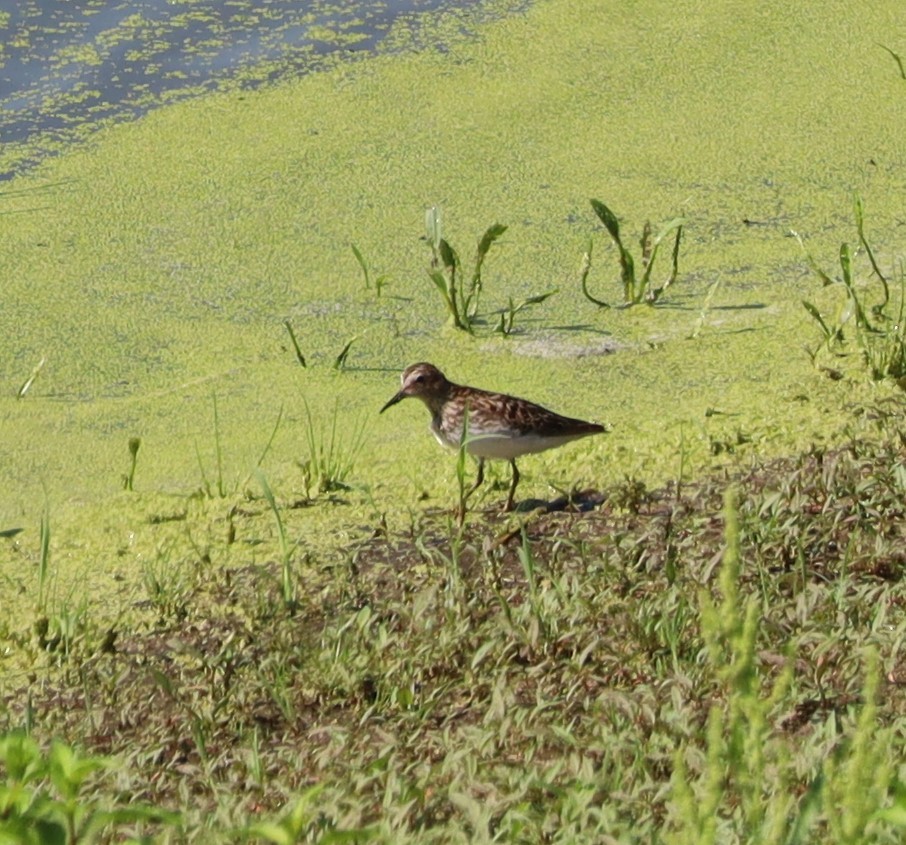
x: 493, y: 425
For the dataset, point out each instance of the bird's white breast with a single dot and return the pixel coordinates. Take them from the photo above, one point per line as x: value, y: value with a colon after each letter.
x: 501, y: 446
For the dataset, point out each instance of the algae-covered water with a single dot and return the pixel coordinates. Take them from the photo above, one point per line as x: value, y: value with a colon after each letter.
x: 67, y: 67
x: 152, y: 267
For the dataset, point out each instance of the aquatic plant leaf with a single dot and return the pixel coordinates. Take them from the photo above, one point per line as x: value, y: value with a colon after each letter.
x: 433, y: 227
x: 897, y: 59
x: 825, y: 279
x: 360, y: 258
x: 491, y: 235
x: 816, y: 316
x: 860, y: 228
x: 608, y: 218
x: 447, y: 254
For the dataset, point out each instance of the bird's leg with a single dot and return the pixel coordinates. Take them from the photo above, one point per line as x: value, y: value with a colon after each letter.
x: 479, y: 479
x: 509, y: 501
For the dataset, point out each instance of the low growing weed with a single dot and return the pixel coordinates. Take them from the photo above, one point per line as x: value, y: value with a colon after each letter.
x: 45, y: 797
x: 636, y: 288
x: 506, y: 323
x: 218, y: 488
x: 461, y: 289
x: 287, y: 581
x: 874, y: 322
x: 461, y: 297
x: 331, y: 454
x: 532, y: 682
x: 378, y: 283
x: 745, y: 787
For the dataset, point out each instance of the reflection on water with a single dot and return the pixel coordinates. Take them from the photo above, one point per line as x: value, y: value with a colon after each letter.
x: 65, y: 63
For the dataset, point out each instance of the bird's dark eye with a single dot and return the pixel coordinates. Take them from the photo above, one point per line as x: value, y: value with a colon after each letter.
x: 420, y: 379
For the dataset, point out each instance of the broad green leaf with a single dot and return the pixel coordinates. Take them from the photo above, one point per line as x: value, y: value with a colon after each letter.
x: 273, y: 832
x: 447, y: 254
x: 846, y: 265
x: 608, y: 218
x: 491, y: 235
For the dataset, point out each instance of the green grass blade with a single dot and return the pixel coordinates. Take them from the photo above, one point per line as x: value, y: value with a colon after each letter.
x: 627, y: 265
x: 470, y: 300
x: 813, y: 265
x: 292, y: 336
x: 205, y: 485
x: 340, y: 362
x: 218, y: 449
x: 362, y: 264
x: 537, y: 299
x: 286, y: 572
x: 897, y: 59
x: 30, y: 380
x: 816, y: 316
x: 676, y: 248
x: 860, y: 228
x: 44, y: 557
x: 677, y: 224
x: 267, y: 446
x: 441, y: 283
x: 846, y: 267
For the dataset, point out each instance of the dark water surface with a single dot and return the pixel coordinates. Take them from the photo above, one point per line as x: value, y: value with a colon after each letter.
x: 69, y: 64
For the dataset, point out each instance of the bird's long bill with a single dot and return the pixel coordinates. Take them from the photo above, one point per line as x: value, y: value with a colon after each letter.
x: 398, y: 398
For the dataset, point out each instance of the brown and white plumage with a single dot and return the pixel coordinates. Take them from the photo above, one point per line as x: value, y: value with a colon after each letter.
x: 497, y: 426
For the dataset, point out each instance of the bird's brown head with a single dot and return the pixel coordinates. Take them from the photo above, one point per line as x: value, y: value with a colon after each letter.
x: 422, y: 380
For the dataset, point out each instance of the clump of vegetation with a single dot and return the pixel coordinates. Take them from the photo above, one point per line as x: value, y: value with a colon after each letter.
x: 288, y: 585
x: 685, y: 667
x: 741, y: 740
x: 461, y: 296
x: 45, y: 797
x: 637, y: 288
x: 869, y: 319
x: 331, y: 453
x: 507, y: 321
x: 218, y: 488
x: 378, y: 283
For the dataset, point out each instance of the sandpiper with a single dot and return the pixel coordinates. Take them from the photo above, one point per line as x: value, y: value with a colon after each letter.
x: 499, y: 426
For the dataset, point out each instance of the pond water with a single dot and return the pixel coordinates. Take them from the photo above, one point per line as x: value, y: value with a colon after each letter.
x: 65, y: 64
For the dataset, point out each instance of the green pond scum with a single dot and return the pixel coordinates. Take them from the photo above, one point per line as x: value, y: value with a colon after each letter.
x: 69, y: 67
x: 154, y: 265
